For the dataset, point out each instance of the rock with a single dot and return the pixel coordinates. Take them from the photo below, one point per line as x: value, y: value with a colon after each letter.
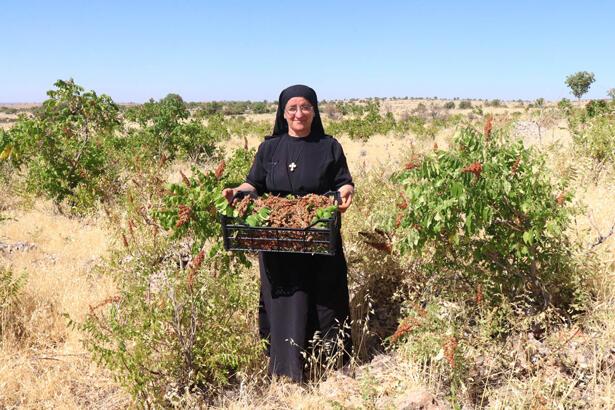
x: 16, y: 247
x: 418, y: 400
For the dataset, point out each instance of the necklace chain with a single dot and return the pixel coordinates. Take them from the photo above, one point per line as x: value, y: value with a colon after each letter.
x: 293, y: 163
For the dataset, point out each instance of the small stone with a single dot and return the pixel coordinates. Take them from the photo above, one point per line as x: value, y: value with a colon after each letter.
x: 16, y: 247
x: 418, y: 400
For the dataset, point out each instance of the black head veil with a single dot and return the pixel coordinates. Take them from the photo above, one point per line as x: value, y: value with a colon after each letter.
x: 281, y: 126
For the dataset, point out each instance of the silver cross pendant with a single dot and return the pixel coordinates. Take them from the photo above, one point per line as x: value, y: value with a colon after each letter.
x: 292, y: 166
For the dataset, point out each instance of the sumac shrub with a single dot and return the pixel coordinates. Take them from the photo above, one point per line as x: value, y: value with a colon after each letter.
x: 241, y: 127
x: 184, y: 318
x: 64, y: 148
x: 170, y: 329
x: 596, y: 107
x: 486, y: 215
x: 164, y: 130
x: 366, y: 123
x: 596, y: 138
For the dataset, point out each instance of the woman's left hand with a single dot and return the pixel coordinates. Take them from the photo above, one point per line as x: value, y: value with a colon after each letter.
x: 346, y: 192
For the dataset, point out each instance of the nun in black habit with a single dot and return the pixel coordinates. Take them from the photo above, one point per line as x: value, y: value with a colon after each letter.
x: 301, y: 295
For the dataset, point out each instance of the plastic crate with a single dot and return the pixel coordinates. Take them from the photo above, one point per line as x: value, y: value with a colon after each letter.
x: 311, y: 240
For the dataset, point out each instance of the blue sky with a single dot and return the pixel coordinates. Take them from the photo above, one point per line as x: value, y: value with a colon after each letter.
x: 250, y: 50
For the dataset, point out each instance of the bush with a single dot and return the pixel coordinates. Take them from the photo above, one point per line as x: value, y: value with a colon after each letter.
x: 450, y: 105
x: 363, y: 127
x: 184, y: 320
x: 596, y: 107
x: 66, y: 146
x: 482, y: 227
x: 209, y: 109
x: 597, y: 139
x: 565, y: 105
x: 487, y: 218
x: 465, y: 105
x: 241, y: 127
x: 166, y: 132
x: 171, y: 330
x: 197, y: 195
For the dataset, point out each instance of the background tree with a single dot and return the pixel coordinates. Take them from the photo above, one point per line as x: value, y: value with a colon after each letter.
x: 611, y: 93
x: 580, y: 82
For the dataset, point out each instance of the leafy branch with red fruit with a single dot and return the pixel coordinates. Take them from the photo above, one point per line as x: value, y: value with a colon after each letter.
x: 189, y: 208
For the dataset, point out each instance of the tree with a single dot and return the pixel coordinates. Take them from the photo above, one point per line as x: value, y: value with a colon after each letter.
x: 580, y: 82
x: 611, y: 93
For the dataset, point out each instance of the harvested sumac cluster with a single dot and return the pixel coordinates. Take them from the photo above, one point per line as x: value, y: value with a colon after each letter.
x: 297, y: 212
x: 275, y: 211
x: 306, y: 224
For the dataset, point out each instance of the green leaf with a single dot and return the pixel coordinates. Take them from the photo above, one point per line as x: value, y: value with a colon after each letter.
x: 456, y: 189
x: 469, y: 221
x: 507, y: 187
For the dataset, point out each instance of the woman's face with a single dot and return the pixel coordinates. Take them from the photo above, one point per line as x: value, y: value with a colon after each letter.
x: 299, y: 114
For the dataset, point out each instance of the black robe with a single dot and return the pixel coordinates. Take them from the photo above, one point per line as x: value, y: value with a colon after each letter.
x: 300, y: 293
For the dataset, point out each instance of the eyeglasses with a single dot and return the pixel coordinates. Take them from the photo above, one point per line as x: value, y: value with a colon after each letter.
x: 305, y: 109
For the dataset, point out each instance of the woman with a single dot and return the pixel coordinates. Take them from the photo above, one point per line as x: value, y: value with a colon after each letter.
x: 300, y: 294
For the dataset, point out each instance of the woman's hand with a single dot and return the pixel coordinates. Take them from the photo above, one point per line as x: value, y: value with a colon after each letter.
x: 346, y: 192
x: 229, y: 193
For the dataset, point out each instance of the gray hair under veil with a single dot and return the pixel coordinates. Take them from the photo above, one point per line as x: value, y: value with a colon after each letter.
x: 281, y: 126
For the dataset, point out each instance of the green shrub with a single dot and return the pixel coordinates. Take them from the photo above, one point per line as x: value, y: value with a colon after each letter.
x: 596, y: 139
x: 65, y: 147
x: 450, y: 105
x: 241, y: 127
x: 486, y: 215
x: 165, y: 131
x: 565, y: 105
x: 177, y: 327
x: 208, y: 109
x: 596, y: 107
x: 482, y: 228
x: 465, y: 105
x: 364, y: 126
x: 170, y: 330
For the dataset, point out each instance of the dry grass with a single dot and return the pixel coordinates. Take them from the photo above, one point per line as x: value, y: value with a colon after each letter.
x: 388, y: 381
x: 44, y: 365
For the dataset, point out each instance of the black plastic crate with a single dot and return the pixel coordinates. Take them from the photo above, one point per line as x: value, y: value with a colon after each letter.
x: 311, y: 240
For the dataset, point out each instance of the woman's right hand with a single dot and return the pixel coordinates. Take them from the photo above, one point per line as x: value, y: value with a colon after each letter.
x: 229, y: 194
